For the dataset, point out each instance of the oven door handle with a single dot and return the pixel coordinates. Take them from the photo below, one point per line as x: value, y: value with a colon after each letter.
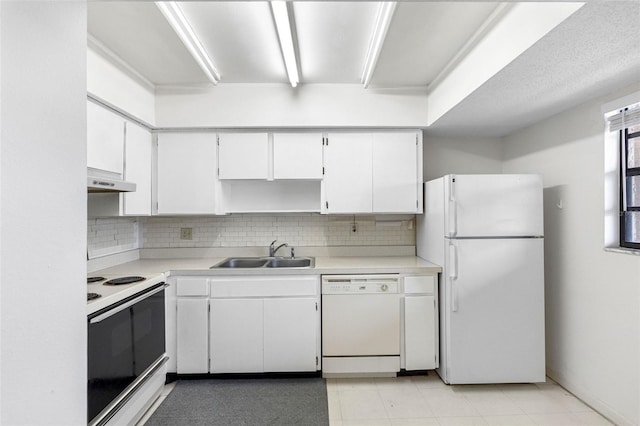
x: 124, y: 306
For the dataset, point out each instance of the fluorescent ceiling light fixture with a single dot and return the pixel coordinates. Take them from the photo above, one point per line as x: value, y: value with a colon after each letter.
x: 383, y: 19
x: 285, y: 25
x: 173, y: 14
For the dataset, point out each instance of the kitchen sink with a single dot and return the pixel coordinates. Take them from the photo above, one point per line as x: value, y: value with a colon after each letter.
x: 266, y: 262
x: 283, y: 262
x: 239, y: 262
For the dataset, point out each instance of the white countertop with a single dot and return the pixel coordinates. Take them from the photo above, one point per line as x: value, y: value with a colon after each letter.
x: 110, y: 294
x: 157, y: 270
x: 323, y: 265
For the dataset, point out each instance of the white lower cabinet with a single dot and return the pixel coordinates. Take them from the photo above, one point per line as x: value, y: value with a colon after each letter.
x: 264, y: 324
x: 236, y: 337
x: 420, y: 323
x: 262, y: 335
x: 247, y: 324
x: 192, y: 330
x: 290, y: 343
x: 192, y: 355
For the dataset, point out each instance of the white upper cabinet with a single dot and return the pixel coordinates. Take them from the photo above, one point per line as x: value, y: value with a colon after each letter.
x: 243, y: 155
x: 397, y: 179
x: 297, y: 155
x: 187, y: 182
x: 270, y: 156
x: 138, y: 158
x: 373, y: 173
x: 348, y: 173
x: 105, y: 139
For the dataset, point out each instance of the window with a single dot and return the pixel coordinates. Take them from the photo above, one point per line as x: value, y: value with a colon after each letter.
x: 626, y: 123
x: 630, y: 187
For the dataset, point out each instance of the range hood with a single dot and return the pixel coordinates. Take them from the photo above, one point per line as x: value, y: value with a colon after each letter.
x: 103, y: 181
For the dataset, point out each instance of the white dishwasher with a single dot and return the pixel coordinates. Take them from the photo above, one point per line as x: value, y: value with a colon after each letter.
x: 360, y: 325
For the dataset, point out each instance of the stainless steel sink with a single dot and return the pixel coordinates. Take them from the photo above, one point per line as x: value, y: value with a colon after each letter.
x: 266, y: 262
x: 283, y: 262
x: 241, y: 262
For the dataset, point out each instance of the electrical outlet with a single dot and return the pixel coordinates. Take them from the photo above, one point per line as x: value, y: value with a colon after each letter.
x: 186, y: 233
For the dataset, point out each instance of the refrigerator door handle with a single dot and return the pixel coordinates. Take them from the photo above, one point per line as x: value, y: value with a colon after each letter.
x: 453, y: 276
x: 453, y: 219
x: 453, y: 211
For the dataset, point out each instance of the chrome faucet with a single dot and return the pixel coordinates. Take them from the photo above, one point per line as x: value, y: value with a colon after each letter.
x: 273, y: 249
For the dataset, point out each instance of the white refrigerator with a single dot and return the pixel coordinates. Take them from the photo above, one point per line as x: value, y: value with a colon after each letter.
x: 486, y: 231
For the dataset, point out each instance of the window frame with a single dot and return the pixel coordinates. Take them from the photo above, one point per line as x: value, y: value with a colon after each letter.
x: 625, y: 173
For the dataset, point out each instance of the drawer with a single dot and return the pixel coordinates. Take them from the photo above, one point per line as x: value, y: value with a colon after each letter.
x: 278, y: 286
x: 419, y: 284
x: 196, y: 286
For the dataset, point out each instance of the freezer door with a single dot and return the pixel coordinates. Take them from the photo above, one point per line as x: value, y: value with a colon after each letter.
x: 493, y: 205
x: 494, y: 310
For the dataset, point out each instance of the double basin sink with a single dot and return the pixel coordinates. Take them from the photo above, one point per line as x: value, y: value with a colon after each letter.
x: 266, y: 262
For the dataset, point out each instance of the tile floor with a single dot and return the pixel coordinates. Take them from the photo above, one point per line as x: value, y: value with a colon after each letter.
x: 427, y: 401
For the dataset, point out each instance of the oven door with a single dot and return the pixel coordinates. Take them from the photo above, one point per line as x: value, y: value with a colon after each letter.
x: 124, y: 340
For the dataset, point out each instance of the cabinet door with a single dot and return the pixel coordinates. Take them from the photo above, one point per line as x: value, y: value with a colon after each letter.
x: 290, y: 327
x: 105, y: 139
x: 297, y: 155
x: 420, y: 332
x: 192, y: 354
x: 348, y: 173
x: 138, y: 170
x: 395, y: 173
x: 236, y: 336
x: 186, y: 173
x: 243, y: 155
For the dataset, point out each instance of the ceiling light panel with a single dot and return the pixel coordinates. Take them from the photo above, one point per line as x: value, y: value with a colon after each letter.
x: 332, y: 39
x: 382, y: 23
x: 181, y: 25
x: 241, y: 37
x: 286, y: 28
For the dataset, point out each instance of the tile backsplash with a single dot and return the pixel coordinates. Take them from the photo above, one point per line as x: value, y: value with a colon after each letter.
x: 114, y: 235
x: 254, y: 230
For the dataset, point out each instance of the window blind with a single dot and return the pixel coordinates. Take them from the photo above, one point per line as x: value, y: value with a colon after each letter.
x: 625, y: 118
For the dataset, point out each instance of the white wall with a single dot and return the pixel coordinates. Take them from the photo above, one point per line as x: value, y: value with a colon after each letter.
x: 42, y: 210
x: 120, y: 88
x: 592, y: 296
x: 308, y: 105
x: 463, y: 156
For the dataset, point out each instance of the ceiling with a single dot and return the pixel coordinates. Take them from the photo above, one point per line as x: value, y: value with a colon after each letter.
x: 593, y: 52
